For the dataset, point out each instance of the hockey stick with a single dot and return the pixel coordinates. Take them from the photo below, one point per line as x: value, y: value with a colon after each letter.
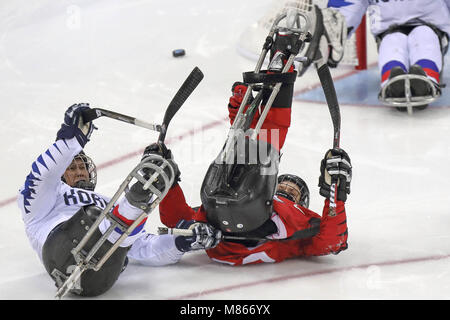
x: 300, y: 234
x: 333, y: 106
x: 178, y: 100
x: 189, y: 232
x: 95, y: 113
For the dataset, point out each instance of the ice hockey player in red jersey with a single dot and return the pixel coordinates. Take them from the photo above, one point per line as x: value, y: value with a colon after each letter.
x: 267, y: 218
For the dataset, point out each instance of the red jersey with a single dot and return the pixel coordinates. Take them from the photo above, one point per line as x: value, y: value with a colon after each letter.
x: 275, y: 126
x: 314, y: 234
x: 290, y: 218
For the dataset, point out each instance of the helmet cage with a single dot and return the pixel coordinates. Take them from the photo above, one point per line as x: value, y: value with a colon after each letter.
x: 302, y: 188
x: 91, y: 169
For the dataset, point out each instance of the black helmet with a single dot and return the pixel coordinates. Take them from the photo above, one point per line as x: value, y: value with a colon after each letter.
x: 238, y: 196
x: 91, y: 169
x: 302, y: 186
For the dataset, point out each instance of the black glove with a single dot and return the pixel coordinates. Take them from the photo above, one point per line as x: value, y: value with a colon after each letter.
x: 161, y: 150
x: 138, y: 197
x: 74, y: 126
x: 336, y: 164
x: 204, y: 236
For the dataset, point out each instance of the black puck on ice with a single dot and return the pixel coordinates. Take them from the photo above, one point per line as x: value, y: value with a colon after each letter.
x: 178, y: 52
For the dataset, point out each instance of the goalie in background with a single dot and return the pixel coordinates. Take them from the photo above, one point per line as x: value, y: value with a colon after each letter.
x: 59, y: 204
x: 412, y: 39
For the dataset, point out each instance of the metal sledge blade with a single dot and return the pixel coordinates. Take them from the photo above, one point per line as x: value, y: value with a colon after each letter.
x: 409, y: 101
x: 70, y: 282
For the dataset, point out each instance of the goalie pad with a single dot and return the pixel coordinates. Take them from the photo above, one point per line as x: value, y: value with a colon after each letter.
x: 328, y: 30
x: 312, y: 48
x: 335, y: 28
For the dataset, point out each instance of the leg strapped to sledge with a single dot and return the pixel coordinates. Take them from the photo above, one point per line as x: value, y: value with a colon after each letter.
x: 260, y: 80
x: 153, y: 170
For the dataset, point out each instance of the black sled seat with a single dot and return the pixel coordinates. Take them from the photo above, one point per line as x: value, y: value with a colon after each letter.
x: 60, y: 262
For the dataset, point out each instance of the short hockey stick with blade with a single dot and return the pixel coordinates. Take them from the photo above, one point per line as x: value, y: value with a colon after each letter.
x: 300, y: 234
x: 178, y: 100
x: 333, y: 106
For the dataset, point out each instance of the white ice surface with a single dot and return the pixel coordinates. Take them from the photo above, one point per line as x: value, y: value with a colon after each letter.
x: 117, y: 55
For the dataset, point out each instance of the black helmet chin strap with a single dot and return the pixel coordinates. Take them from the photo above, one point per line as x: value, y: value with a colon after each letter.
x: 86, y: 185
x: 302, y: 188
x: 286, y: 195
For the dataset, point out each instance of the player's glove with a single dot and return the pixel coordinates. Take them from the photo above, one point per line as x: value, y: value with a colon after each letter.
x: 238, y: 91
x: 163, y: 151
x: 74, y: 126
x: 138, y: 197
x: 336, y: 164
x: 204, y: 236
x: 335, y: 28
x: 159, y: 149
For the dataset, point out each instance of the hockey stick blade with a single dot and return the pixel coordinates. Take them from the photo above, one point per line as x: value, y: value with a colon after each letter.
x: 188, y: 86
x: 330, y: 95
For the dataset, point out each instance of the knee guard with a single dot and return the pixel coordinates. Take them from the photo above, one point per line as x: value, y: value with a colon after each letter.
x: 60, y: 262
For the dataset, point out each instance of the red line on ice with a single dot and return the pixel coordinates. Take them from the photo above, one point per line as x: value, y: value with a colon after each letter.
x: 203, y: 293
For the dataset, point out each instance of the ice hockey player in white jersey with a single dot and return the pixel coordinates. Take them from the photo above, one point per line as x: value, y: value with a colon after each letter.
x: 58, y: 201
x: 412, y: 38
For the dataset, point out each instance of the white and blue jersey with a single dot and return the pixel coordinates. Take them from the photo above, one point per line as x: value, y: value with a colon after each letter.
x: 385, y: 13
x: 421, y: 46
x: 46, y: 201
